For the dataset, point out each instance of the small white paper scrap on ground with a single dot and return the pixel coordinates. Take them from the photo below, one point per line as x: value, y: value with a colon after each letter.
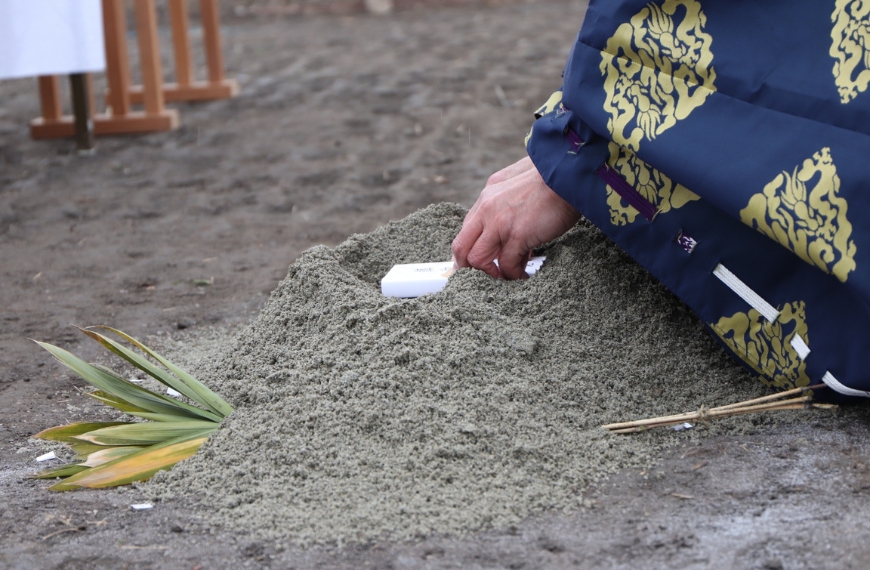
x: 142, y: 506
x: 415, y: 279
x: 47, y: 456
x: 136, y: 380
x: 681, y: 427
x: 173, y: 393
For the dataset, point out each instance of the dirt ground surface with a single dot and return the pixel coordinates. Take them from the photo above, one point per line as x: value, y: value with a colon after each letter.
x: 343, y: 123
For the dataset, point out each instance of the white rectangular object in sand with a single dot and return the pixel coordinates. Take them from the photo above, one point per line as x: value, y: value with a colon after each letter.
x: 49, y: 37
x: 415, y: 279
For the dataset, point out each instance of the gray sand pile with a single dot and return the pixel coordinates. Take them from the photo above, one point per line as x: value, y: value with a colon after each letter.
x: 360, y: 416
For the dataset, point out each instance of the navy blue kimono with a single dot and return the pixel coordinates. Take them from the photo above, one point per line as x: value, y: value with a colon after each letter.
x: 725, y: 145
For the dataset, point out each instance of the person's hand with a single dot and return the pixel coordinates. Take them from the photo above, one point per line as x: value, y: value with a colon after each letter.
x: 515, y: 213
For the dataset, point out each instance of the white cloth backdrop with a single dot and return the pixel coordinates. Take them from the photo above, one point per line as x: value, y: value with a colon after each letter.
x: 48, y: 37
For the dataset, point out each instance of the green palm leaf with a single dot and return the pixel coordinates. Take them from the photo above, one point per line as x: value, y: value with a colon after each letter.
x: 147, y: 433
x: 125, y: 390
x: 207, y: 398
x: 204, y: 395
x: 62, y: 471
x: 117, y: 453
x: 107, y: 454
x: 67, y: 433
x: 82, y: 448
x: 115, y: 402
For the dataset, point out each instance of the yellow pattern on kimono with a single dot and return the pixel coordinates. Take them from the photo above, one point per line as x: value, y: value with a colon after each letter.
x: 803, y: 212
x: 551, y: 105
x: 766, y: 346
x: 657, y: 70
x: 850, y: 47
x: 660, y: 190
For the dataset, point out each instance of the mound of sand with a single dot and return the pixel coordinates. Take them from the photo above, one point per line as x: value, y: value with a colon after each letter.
x: 360, y: 416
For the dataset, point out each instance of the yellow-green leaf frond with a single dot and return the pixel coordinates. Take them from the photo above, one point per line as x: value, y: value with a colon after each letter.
x: 68, y: 433
x: 107, y: 454
x: 137, y: 466
x: 147, y: 433
x: 124, y: 390
x: 62, y: 471
x: 203, y: 394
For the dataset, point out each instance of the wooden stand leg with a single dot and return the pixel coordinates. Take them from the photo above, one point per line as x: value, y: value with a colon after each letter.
x: 211, y: 36
x: 211, y: 33
x: 180, y: 41
x: 149, y: 56
x: 117, y: 60
x: 49, y: 98
x: 52, y: 123
x: 185, y: 88
x: 119, y: 118
x: 92, y: 97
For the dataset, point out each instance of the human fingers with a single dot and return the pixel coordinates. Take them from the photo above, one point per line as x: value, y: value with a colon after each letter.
x: 490, y: 229
x: 512, y: 263
x: 472, y: 228
x: 484, y: 252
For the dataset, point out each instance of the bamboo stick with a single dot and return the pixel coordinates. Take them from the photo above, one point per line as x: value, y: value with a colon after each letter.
x: 769, y: 397
x: 710, y: 414
x: 713, y: 412
x: 725, y: 414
